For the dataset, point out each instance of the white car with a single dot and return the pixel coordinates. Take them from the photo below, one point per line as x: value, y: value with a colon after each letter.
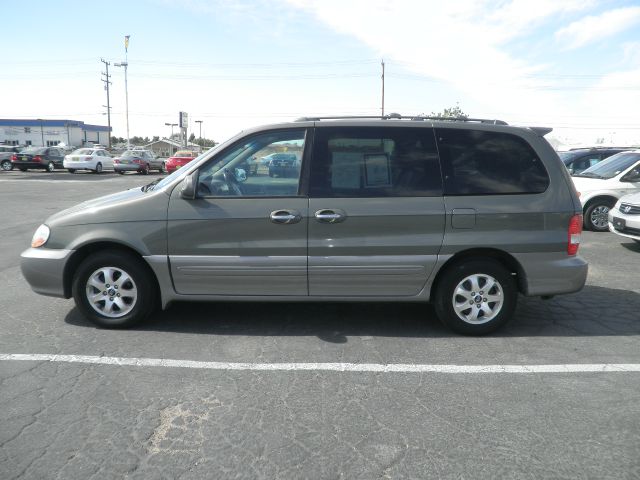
x: 602, y: 185
x: 624, y: 218
x: 94, y: 159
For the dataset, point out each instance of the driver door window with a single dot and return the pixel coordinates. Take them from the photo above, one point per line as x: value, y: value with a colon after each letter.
x: 265, y: 165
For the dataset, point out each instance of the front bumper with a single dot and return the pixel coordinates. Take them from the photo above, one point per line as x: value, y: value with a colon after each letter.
x: 43, y: 269
x: 631, y: 227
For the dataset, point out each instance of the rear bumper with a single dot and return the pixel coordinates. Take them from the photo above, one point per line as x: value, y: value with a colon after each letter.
x: 128, y: 168
x: 79, y: 165
x: 44, y: 270
x: 552, y: 273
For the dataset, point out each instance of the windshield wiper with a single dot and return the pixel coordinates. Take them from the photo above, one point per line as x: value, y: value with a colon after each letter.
x: 150, y: 186
x: 588, y: 175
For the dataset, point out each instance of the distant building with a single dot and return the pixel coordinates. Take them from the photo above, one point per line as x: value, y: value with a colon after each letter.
x: 166, y: 147
x: 48, y: 133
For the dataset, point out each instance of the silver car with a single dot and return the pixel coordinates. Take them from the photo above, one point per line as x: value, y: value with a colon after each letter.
x: 464, y: 214
x: 138, y: 160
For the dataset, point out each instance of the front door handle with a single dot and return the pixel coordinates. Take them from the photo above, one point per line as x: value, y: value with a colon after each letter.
x: 329, y: 215
x: 285, y: 216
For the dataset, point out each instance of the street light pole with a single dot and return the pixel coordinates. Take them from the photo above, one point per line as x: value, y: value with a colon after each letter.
x: 125, y: 64
x: 171, y: 125
x: 200, y: 134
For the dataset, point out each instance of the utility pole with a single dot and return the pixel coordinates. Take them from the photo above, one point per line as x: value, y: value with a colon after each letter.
x: 125, y: 64
x: 382, y: 63
x: 107, y: 82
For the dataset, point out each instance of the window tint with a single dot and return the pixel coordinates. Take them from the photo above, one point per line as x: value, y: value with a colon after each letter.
x: 375, y: 162
x: 263, y: 165
x: 489, y: 163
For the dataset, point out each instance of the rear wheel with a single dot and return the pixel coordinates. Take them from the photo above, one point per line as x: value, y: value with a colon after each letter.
x: 596, y: 216
x: 114, y: 289
x: 98, y: 168
x: 71, y: 170
x: 121, y: 172
x: 162, y: 170
x: 475, y: 297
x: 6, y: 165
x: 50, y: 167
x: 23, y: 169
x: 145, y: 170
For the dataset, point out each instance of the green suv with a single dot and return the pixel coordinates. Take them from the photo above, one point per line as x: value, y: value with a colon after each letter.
x: 465, y: 214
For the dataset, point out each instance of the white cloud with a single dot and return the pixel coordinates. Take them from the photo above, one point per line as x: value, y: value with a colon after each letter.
x: 596, y: 27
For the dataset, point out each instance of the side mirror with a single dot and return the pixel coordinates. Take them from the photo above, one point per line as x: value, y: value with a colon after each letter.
x: 188, y: 186
x: 632, y: 176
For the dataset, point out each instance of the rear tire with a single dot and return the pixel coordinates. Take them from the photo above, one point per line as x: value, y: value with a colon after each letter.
x: 596, y: 215
x: 114, y: 289
x: 50, y: 167
x: 98, y: 168
x: 6, y: 165
x: 162, y: 169
x: 23, y: 169
x: 71, y: 170
x: 145, y: 170
x: 121, y: 172
x: 475, y: 297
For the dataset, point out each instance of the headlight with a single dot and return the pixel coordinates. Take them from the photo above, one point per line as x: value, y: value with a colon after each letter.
x: 41, y: 236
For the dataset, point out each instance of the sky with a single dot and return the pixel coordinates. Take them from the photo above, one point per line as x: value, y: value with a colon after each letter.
x: 573, y: 65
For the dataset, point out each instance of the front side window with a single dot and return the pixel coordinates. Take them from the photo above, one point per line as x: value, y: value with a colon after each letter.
x: 375, y: 162
x: 476, y: 162
x: 262, y: 165
x: 612, y: 166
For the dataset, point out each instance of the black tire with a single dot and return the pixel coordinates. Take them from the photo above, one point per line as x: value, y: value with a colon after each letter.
x: 146, y: 294
x: 98, y: 169
x: 161, y: 170
x: 6, y: 165
x: 145, y: 170
x: 50, y: 167
x: 595, y: 216
x: 121, y: 172
x: 71, y: 170
x: 23, y: 169
x: 455, y: 276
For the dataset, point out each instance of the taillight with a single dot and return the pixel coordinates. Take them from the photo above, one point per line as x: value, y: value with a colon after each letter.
x: 14, y: 158
x: 37, y: 158
x: 116, y: 160
x: 137, y: 161
x: 89, y: 158
x: 575, y: 231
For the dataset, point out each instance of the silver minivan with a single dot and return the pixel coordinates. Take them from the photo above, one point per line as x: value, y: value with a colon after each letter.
x: 465, y: 214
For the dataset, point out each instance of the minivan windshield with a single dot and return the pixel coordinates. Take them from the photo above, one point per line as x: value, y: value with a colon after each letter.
x: 612, y: 166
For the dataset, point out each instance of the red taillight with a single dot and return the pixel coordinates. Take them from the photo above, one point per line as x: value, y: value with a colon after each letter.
x: 14, y: 158
x: 575, y: 231
x: 37, y: 158
x: 116, y: 160
x: 89, y: 158
x: 137, y: 161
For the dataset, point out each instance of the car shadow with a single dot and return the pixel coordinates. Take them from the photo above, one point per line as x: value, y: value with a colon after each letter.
x: 632, y: 246
x: 595, y: 311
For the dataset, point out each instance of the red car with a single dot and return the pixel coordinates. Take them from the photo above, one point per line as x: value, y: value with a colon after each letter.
x: 179, y: 159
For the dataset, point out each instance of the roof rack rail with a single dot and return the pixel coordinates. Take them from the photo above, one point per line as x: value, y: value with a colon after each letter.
x: 397, y: 116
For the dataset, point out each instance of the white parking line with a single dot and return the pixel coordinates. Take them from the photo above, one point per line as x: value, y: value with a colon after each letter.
x: 329, y: 367
x: 54, y: 180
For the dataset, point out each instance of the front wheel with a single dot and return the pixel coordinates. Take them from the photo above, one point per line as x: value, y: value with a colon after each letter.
x: 475, y: 297
x: 71, y: 170
x: 121, y: 172
x: 6, y: 165
x: 50, y: 167
x: 162, y: 169
x: 114, y: 289
x: 145, y: 170
x: 596, y: 217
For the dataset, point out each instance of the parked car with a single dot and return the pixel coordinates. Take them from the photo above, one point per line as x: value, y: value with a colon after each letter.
x: 46, y: 158
x: 624, y: 217
x: 465, y: 214
x: 94, y: 159
x: 138, y: 160
x: 602, y: 185
x: 6, y: 152
x: 284, y: 165
x: 579, y: 159
x: 179, y: 159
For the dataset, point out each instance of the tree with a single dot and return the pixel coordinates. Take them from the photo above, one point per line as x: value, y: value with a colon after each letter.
x: 192, y: 137
x: 453, y: 112
x: 155, y: 138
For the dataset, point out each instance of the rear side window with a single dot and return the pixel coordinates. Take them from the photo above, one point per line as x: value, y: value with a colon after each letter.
x: 489, y: 163
x: 375, y: 162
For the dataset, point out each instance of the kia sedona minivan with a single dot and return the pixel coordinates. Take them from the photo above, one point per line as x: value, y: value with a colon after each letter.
x: 467, y: 214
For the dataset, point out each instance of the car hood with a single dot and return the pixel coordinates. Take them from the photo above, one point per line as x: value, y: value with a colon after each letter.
x: 126, y: 206
x: 584, y: 184
x: 633, y: 198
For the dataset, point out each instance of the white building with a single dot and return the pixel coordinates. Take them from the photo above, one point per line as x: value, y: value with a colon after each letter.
x: 48, y: 133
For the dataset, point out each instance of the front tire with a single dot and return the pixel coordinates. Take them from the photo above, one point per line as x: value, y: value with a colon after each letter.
x: 475, y: 297
x: 71, y: 170
x: 114, y: 289
x: 162, y: 169
x: 145, y: 170
x: 596, y: 215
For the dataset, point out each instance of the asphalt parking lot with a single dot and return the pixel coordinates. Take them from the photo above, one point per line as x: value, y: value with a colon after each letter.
x: 328, y: 409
